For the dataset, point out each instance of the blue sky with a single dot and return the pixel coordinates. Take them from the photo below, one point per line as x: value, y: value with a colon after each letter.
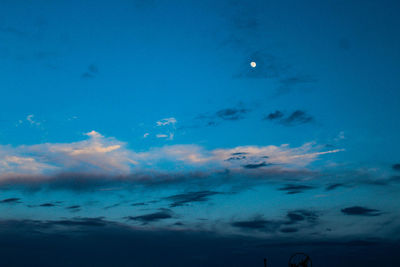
x: 148, y: 114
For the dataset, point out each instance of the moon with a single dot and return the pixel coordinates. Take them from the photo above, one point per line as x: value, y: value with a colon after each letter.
x: 253, y: 64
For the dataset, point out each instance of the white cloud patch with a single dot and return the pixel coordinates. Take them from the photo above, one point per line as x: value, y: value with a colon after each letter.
x: 31, y: 120
x: 106, y: 155
x: 166, y: 121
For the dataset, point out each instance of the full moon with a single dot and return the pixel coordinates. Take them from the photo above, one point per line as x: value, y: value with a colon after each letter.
x: 253, y: 64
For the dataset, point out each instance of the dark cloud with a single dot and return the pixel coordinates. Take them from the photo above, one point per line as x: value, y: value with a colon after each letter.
x: 91, y: 72
x: 87, y: 222
x: 239, y: 153
x: 396, y: 167
x: 231, y: 114
x: 334, y: 186
x: 139, y: 204
x: 257, y: 224
x: 298, y: 117
x: 300, y: 218
x: 234, y: 113
x: 256, y: 166
x: 152, y: 217
x: 112, y: 206
x: 289, y: 230
x: 47, y: 205
x: 275, y: 115
x: 361, y: 211
x: 237, y: 156
x: 10, y: 200
x: 74, y: 208
x: 295, y: 189
x: 295, y: 118
x: 182, y: 199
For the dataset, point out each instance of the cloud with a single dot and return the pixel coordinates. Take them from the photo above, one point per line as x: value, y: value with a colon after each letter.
x: 295, y: 189
x: 231, y: 114
x: 166, y: 121
x: 190, y: 197
x: 47, y: 205
x: 91, y: 72
x: 30, y: 119
x: 257, y: 223
x: 100, y: 161
x: 334, y: 186
x: 275, y: 115
x: 169, y: 136
x: 235, y: 113
x: 152, y: 217
x: 255, y: 166
x: 74, y: 208
x: 297, y: 219
x: 10, y: 201
x: 297, y: 117
x: 396, y: 167
x: 97, y: 154
x: 361, y: 211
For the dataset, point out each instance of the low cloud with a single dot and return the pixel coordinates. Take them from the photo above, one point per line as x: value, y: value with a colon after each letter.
x: 105, y: 161
x: 361, y: 211
x: 152, y: 217
x: 291, y: 223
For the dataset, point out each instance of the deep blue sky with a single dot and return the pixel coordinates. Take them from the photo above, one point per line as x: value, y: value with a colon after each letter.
x: 148, y: 114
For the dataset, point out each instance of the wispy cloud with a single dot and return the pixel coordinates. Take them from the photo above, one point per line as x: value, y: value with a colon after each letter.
x: 166, y: 121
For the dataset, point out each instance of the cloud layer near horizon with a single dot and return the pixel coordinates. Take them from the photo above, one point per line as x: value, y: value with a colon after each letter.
x: 106, y: 155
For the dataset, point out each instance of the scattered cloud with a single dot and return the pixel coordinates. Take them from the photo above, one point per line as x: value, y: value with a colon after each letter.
x: 231, y: 114
x: 334, y: 186
x: 10, y: 201
x: 295, y: 188
x: 235, y: 113
x: 293, y: 222
x: 166, y: 121
x: 152, y: 217
x: 297, y: 117
x: 169, y: 136
x: 255, y: 166
x: 190, y: 197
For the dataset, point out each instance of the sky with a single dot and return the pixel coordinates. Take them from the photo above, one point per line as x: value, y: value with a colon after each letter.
x: 146, y: 123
